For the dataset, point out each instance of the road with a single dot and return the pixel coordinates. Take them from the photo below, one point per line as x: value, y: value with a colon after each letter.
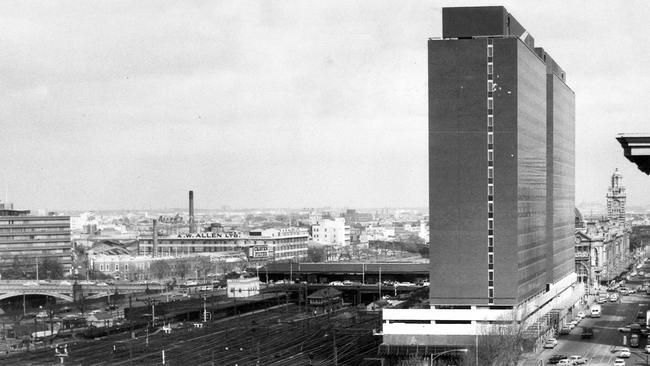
x: 602, y: 348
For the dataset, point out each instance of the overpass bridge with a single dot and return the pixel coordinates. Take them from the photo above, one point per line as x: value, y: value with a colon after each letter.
x: 66, y: 292
x: 339, y: 271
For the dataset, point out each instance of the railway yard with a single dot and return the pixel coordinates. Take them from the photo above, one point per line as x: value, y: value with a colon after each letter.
x: 283, y: 334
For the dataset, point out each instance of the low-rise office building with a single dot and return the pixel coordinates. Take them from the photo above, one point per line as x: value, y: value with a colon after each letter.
x: 258, y: 245
x: 331, y: 232
x: 33, y: 238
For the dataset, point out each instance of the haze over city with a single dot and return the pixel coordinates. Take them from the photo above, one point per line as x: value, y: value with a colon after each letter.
x: 129, y: 104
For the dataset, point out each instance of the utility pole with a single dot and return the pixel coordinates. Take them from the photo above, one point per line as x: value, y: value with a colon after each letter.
x: 336, y: 357
x: 379, y: 283
x: 205, y: 312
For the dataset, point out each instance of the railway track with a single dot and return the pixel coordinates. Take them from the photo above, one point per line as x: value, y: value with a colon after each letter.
x: 282, y: 336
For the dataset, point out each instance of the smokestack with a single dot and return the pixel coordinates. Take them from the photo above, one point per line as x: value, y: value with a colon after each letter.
x: 155, y: 238
x: 192, y: 227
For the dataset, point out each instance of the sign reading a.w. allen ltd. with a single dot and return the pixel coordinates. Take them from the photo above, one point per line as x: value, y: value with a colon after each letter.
x: 232, y: 234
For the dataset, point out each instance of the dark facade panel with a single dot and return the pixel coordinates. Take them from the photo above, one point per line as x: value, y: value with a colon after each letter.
x: 563, y: 112
x: 505, y: 170
x: 457, y: 170
x: 531, y: 172
x: 473, y: 21
x: 482, y: 21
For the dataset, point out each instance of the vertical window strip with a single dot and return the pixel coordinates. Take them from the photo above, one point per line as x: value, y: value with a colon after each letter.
x: 490, y: 163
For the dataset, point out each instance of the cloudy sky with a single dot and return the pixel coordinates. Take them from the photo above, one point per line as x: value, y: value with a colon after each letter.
x: 129, y: 104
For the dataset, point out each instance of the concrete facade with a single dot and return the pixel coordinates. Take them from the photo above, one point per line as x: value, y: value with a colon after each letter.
x: 331, y: 232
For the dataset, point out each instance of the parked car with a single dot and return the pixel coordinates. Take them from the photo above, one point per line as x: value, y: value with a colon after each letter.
x: 601, y: 300
x: 624, y: 353
x: 619, y: 362
x: 564, y: 330
x: 647, y: 348
x: 613, y: 297
x: 65, y: 283
x: 556, y: 358
x: 564, y: 362
x: 578, y: 360
x: 550, y: 343
x: 625, y: 329
x: 582, y: 314
x: 587, y: 332
x: 30, y: 283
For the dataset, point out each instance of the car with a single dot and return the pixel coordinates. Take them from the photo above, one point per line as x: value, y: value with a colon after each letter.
x: 582, y: 314
x: 624, y: 353
x: 647, y: 348
x: 613, y: 297
x: 194, y: 283
x: 102, y: 284
x: 30, y: 283
x: 631, y: 291
x: 564, y: 362
x: 587, y: 332
x: 624, y: 291
x: 548, y: 344
x: 564, y: 330
x: 619, y: 362
x: 625, y: 329
x: 601, y: 300
x: 87, y: 282
x: 574, y: 323
x: 65, y: 283
x: 578, y: 360
x: 347, y: 282
x: 556, y: 358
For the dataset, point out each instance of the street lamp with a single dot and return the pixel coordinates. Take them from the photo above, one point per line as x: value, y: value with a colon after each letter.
x: 432, y: 357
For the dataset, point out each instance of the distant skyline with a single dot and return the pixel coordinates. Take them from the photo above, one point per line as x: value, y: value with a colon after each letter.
x: 130, y: 104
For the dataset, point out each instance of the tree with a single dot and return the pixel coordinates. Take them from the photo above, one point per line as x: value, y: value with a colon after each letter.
x: 501, y: 343
x: 182, y: 268
x: 51, y: 269
x: 203, y: 266
x: 159, y: 268
x: 20, y: 269
x: 316, y: 254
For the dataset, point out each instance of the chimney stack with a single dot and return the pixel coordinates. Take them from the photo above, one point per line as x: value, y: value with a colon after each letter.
x: 192, y: 226
x: 155, y: 238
